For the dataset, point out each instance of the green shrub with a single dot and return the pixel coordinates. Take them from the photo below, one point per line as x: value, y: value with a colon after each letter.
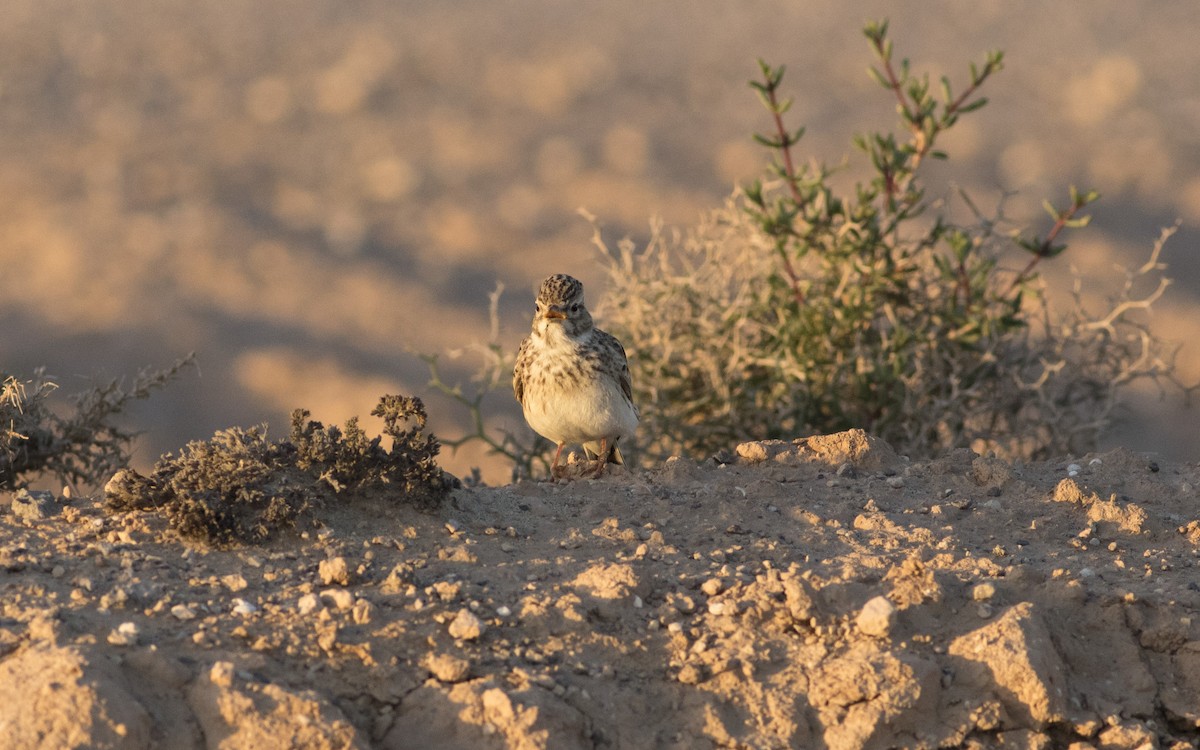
x: 798, y: 309
x: 801, y: 308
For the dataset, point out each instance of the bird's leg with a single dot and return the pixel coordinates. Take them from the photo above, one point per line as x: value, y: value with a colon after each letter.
x: 555, y: 473
x: 602, y: 457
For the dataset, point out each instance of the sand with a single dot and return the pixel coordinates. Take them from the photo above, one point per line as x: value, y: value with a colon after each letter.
x: 819, y: 593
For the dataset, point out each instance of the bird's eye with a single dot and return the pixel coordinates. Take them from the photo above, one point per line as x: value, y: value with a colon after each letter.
x: 575, y: 308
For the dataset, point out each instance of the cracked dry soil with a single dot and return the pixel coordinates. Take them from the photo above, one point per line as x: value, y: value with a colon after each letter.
x: 823, y: 593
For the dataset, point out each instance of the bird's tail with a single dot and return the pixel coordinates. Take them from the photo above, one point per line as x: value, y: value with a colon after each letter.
x: 614, y: 454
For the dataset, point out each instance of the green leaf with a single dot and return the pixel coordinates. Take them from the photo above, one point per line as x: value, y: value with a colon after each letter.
x: 878, y: 77
x: 972, y: 106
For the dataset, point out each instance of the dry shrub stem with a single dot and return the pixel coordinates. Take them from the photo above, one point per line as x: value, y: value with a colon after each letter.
x: 83, y: 447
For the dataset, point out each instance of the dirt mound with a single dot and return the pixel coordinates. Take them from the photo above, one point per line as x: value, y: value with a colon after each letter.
x: 818, y: 593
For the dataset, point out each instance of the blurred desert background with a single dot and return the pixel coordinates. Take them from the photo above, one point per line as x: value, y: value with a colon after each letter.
x: 309, y: 194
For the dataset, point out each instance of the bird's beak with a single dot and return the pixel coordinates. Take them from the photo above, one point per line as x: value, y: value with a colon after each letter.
x: 553, y: 312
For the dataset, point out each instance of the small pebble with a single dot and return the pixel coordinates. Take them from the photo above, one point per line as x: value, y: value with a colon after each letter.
x: 983, y: 591
x: 338, y: 598
x: 362, y: 611
x: 503, y: 611
x: 877, y: 617
x: 1073, y: 470
x: 894, y: 482
x: 221, y: 674
x: 690, y: 674
x: 32, y: 505
x: 126, y: 634
x: 334, y: 571
x: 182, y: 612
x: 984, y: 611
x: 308, y: 604
x: 466, y: 626
x: 448, y: 668
x: 712, y: 586
x: 243, y: 607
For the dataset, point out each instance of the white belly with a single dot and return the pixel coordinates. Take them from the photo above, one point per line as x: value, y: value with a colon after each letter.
x: 582, y: 413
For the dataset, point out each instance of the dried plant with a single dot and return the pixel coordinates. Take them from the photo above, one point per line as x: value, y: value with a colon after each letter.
x: 529, y: 453
x: 85, y: 446
x: 240, y: 487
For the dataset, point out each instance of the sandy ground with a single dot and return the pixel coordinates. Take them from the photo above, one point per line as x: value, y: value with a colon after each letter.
x: 821, y: 593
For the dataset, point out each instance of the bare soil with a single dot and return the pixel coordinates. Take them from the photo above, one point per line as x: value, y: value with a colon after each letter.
x: 823, y: 593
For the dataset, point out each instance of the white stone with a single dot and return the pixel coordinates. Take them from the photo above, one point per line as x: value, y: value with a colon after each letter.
x: 877, y: 617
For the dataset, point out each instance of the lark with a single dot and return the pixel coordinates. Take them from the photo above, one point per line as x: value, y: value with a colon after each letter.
x: 572, y: 379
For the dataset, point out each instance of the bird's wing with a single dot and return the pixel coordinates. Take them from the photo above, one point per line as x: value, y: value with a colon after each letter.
x: 520, y: 368
x: 622, y: 368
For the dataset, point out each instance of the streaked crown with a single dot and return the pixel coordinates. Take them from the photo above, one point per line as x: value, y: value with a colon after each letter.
x: 560, y: 289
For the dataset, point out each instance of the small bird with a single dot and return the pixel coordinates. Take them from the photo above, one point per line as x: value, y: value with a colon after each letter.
x: 572, y: 379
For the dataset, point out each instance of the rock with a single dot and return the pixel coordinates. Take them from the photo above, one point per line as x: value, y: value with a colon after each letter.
x: 855, y: 447
x: 448, y: 668
x: 33, y: 505
x: 466, y: 626
x: 308, y: 604
x: 876, y: 617
x: 990, y: 472
x: 761, y: 450
x: 690, y: 674
x: 125, y: 634
x: 338, y: 598
x: 1014, y: 658
x: 1180, y: 695
x: 1128, y: 517
x: 983, y: 591
x: 1068, y: 491
x: 183, y: 612
x: 799, y: 596
x: 252, y: 716
x: 61, y: 697
x: 235, y: 582
x: 476, y: 715
x: 334, y: 571
x: 221, y: 674
x: 362, y: 612
x: 129, y: 490
x: 1128, y: 734
x: 867, y: 697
